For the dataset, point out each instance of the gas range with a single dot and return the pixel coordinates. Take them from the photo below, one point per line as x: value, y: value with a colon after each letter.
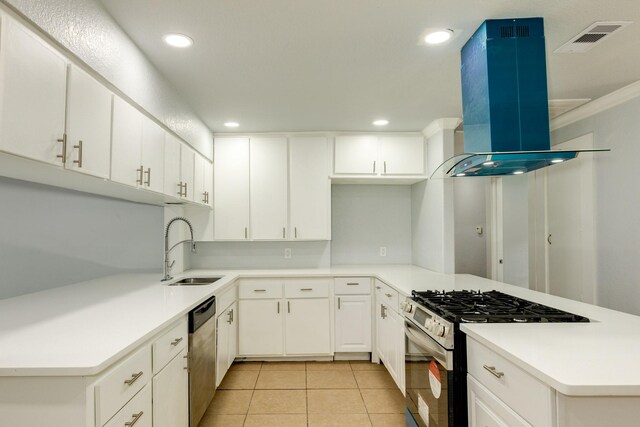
x: 436, y: 312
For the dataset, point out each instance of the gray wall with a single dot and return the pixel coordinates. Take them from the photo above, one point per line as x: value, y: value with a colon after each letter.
x: 617, y: 202
x: 85, y: 29
x: 51, y: 237
x: 365, y: 217
x: 230, y: 255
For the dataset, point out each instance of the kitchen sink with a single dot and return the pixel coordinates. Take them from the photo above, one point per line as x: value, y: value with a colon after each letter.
x: 196, y: 281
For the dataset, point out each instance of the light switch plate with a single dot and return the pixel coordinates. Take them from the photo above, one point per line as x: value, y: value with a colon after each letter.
x: 383, y: 251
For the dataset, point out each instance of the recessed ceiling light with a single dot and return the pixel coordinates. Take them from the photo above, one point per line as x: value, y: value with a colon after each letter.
x: 557, y: 160
x: 489, y: 163
x: 232, y: 124
x: 461, y: 174
x: 438, y: 36
x: 518, y: 172
x: 177, y: 40
x: 381, y: 122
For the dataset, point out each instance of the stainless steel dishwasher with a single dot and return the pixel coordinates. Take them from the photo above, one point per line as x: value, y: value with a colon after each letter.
x: 202, y: 359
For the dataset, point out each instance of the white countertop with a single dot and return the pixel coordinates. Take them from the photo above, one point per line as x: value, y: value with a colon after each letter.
x: 83, y: 328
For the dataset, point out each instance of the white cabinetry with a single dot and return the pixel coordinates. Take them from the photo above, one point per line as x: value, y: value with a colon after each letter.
x: 88, y: 124
x: 280, y: 317
x: 309, y: 189
x: 171, y: 393
x: 268, y: 184
x: 227, y: 340
x: 353, y: 314
x: 390, y: 332
x: 486, y: 410
x: 390, y: 156
x: 32, y: 95
x: 231, y: 188
x: 152, y: 156
x: 187, y: 165
x: 203, y: 181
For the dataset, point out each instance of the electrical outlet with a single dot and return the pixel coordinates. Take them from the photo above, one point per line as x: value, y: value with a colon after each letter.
x: 383, y: 251
x: 287, y: 253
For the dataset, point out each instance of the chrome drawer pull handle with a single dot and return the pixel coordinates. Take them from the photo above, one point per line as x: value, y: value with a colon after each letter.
x: 388, y: 295
x: 259, y: 290
x: 133, y: 379
x: 378, y: 287
x: 136, y: 417
x: 147, y: 182
x: 176, y: 341
x: 79, y: 147
x: 63, y: 141
x: 492, y: 370
x: 354, y: 284
x: 140, y: 171
x: 306, y: 289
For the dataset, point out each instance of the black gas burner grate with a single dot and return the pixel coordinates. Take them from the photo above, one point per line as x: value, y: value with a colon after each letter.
x: 490, y: 307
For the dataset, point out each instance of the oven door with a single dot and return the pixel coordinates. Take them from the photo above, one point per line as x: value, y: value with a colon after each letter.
x: 429, y: 377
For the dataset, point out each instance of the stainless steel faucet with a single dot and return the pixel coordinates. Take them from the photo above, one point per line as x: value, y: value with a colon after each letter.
x: 167, y: 249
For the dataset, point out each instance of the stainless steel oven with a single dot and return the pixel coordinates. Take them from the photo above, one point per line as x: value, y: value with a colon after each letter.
x: 429, y: 380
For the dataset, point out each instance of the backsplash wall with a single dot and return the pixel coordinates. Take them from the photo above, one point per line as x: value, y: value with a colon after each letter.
x: 51, y: 237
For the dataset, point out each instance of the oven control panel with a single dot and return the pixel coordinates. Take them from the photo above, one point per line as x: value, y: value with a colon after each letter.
x: 435, y: 326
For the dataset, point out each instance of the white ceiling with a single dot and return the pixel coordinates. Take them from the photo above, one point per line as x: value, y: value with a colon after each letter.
x: 308, y: 65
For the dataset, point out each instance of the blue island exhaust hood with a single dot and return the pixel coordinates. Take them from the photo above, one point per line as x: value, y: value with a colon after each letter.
x: 505, y: 103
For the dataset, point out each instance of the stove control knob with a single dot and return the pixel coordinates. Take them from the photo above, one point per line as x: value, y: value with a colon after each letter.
x: 405, y: 306
x: 440, y: 330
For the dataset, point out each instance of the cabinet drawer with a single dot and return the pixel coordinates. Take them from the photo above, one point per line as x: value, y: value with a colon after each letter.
x: 227, y: 298
x: 121, y: 383
x: 260, y: 288
x: 523, y: 393
x: 137, y: 412
x: 169, y: 344
x: 388, y: 295
x: 307, y: 288
x: 352, y: 285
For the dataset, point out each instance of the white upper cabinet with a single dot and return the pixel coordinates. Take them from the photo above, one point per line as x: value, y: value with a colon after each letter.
x: 172, y: 183
x: 88, y: 124
x: 268, y: 183
x: 33, y: 79
x: 231, y: 188
x: 203, y: 181
x: 152, y: 156
x: 309, y: 189
x: 187, y: 167
x: 356, y: 155
x: 126, y: 144
x: 402, y: 155
x: 389, y: 156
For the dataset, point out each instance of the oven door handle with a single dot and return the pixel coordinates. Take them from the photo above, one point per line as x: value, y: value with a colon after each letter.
x: 427, y: 343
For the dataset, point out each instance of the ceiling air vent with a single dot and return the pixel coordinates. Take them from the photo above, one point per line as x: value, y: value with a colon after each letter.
x: 593, y: 35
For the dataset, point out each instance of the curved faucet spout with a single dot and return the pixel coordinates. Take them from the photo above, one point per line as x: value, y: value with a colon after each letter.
x: 167, y: 249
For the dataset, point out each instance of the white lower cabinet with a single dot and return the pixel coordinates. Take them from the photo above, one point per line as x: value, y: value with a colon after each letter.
x: 226, y: 340
x: 171, y: 394
x: 138, y: 411
x: 486, y: 410
x: 352, y: 314
x: 289, y: 317
x: 389, y: 335
x: 307, y: 326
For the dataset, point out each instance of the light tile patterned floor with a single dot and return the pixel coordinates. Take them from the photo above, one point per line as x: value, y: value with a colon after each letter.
x: 316, y: 394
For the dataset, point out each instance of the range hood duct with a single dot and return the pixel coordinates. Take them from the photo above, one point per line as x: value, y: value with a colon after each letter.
x: 505, y: 102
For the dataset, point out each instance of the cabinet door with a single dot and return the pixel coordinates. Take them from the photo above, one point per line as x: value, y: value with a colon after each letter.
x: 356, y: 155
x: 231, y: 188
x: 353, y: 323
x: 171, y: 165
x: 171, y: 394
x: 402, y: 155
x: 222, y: 345
x: 233, y: 335
x: 32, y: 94
x: 88, y: 124
x: 126, y: 144
x: 268, y: 183
x: 187, y: 169
x: 397, y: 347
x: 310, y: 189
x: 308, y: 326
x: 260, y: 327
x: 208, y: 182
x: 486, y: 410
x: 152, y: 155
x: 198, y: 180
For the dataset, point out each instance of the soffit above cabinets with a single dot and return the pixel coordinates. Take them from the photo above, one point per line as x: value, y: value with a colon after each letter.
x: 286, y: 65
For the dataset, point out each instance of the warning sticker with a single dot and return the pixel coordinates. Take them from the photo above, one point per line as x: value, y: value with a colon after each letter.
x: 434, y: 379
